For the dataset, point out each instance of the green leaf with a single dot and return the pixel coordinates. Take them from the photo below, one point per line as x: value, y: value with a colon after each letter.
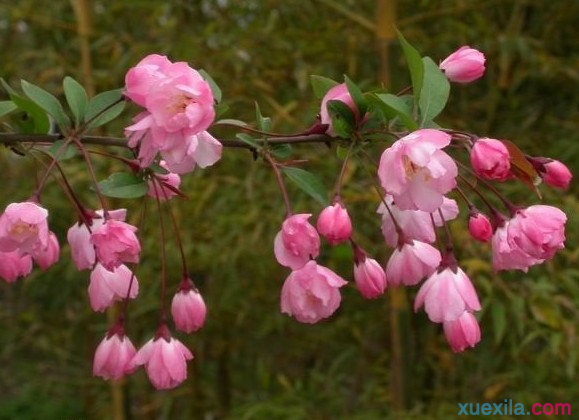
x: 281, y: 151
x: 415, y: 64
x: 123, y: 185
x: 7, y: 87
x: 321, y: 85
x: 76, y: 98
x: 357, y: 96
x: 263, y: 123
x: 100, y: 109
x: 6, y: 107
x: 308, y: 183
x: 343, y: 120
x: 70, y: 152
x: 35, y: 119
x: 435, y: 92
x: 247, y: 139
x: 217, y: 95
x: 230, y: 121
x: 393, y: 106
x: 342, y: 152
x: 47, y: 102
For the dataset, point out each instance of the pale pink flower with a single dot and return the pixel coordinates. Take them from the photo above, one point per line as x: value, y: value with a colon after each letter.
x: 23, y: 227
x: 464, y: 65
x: 446, y: 294
x: 149, y: 72
x: 47, y: 256
x: 334, y: 224
x: 479, y: 226
x: 14, y: 265
x: 161, y: 187
x: 188, y: 308
x: 107, y: 287
x: 115, y: 243
x: 463, y: 332
x: 165, y: 360
x: 369, y: 277
x: 507, y: 255
x: 297, y: 242
x: 183, y: 154
x: 416, y: 172
x: 553, y: 172
x: 311, y: 293
x: 113, y: 355
x: 336, y: 93
x: 411, y: 262
x: 78, y: 236
x: 490, y: 159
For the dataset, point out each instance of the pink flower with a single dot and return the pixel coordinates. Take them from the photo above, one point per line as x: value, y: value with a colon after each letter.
x: 463, y: 332
x: 113, y: 355
x: 297, y: 242
x: 115, y: 243
x: 479, y: 226
x: 107, y: 287
x: 47, y: 256
x: 553, y: 172
x: 23, y: 227
x: 188, y: 308
x: 416, y: 172
x: 490, y: 159
x: 78, y: 236
x: 164, y: 188
x: 507, y: 255
x: 336, y: 93
x: 165, y: 360
x: 369, y: 276
x: 412, y: 262
x: 149, y: 72
x: 334, y: 224
x: 446, y: 294
x: 464, y: 65
x: 539, y: 231
x: 14, y: 265
x: 182, y: 155
x: 415, y: 224
x: 311, y: 293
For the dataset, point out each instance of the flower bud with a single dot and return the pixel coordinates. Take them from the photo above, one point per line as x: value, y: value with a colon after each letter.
x: 334, y: 224
x: 112, y: 356
x: 370, y: 278
x: 337, y: 93
x: 14, y: 265
x: 463, y: 332
x: 479, y: 226
x: 490, y: 159
x: 188, y: 308
x: 47, y: 256
x: 297, y: 242
x: 464, y: 65
x: 556, y: 174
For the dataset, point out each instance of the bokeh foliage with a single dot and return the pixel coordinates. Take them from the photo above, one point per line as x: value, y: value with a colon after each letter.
x: 251, y: 361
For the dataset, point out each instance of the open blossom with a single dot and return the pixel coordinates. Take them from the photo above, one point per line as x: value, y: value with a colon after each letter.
x: 416, y: 224
x: 311, y: 293
x: 107, y: 287
x: 78, y: 237
x: 113, y: 355
x: 47, y: 256
x: 161, y: 188
x: 336, y: 93
x: 479, y: 227
x: 188, y: 308
x: 14, y: 265
x: 446, y: 294
x: 165, y: 360
x: 412, y: 262
x: 416, y: 172
x: 464, y: 65
x: 115, y: 243
x: 463, y: 332
x: 370, y: 277
x: 334, y: 224
x: 23, y: 227
x: 297, y: 242
x: 490, y: 159
x: 507, y: 255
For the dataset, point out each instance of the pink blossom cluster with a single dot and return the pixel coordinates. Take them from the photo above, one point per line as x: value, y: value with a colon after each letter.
x: 179, y: 108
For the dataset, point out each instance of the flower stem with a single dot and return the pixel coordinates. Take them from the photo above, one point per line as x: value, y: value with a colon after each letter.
x: 275, y: 167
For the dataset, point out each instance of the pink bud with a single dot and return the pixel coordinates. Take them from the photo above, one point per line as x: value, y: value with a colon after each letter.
x: 188, y: 309
x: 463, y: 332
x: 556, y: 174
x: 334, y: 224
x: 490, y: 159
x: 297, y: 242
x: 337, y: 93
x: 370, y: 278
x: 107, y: 287
x: 464, y: 65
x: 479, y: 227
x: 115, y: 243
x: 412, y: 262
x: 47, y: 256
x: 161, y: 188
x: 112, y: 356
x: 14, y: 265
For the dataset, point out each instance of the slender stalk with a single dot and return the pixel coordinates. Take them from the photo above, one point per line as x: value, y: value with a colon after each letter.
x: 91, y: 171
x: 275, y: 166
x: 340, y: 180
x: 163, y: 257
x: 49, y: 168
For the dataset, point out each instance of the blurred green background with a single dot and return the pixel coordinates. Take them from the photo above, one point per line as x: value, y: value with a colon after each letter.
x: 373, y: 359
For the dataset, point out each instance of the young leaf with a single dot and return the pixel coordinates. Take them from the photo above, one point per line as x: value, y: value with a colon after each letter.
x: 263, y: 123
x: 214, y: 87
x: 357, y: 96
x: 435, y: 92
x: 76, y: 98
x: 343, y: 120
x: 6, y: 107
x: 281, y: 151
x: 393, y: 106
x: 35, y: 120
x: 308, y: 183
x: 70, y: 152
x: 247, y: 139
x: 47, y: 102
x: 123, y: 185
x: 104, y: 107
x: 321, y: 85
x: 415, y: 64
